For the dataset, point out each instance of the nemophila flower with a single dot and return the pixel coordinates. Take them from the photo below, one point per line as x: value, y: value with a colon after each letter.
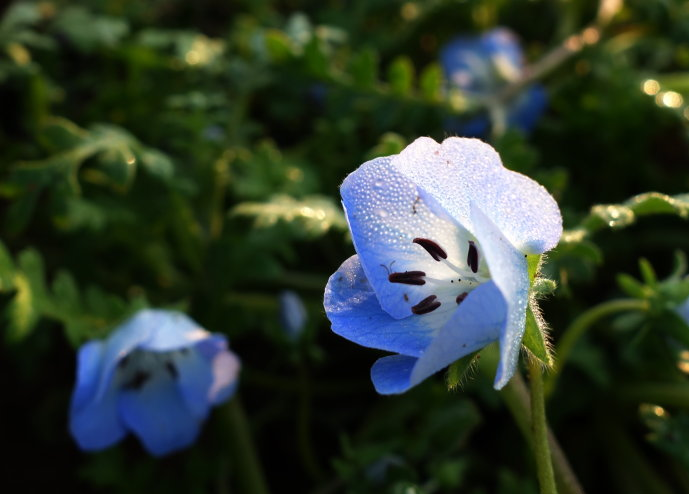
x: 441, y: 233
x: 292, y: 313
x: 157, y: 376
x: 480, y: 67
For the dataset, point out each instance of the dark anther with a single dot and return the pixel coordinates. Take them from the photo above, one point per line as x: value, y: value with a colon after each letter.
x: 125, y: 360
x: 429, y: 304
x: 408, y: 278
x: 432, y: 248
x: 172, y: 370
x: 137, y: 381
x: 460, y: 298
x: 472, y: 257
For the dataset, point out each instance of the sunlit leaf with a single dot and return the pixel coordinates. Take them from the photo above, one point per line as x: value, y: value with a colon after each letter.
x: 312, y: 216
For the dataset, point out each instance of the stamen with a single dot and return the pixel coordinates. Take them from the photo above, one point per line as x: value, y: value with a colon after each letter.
x: 472, y: 257
x: 429, y: 304
x: 460, y: 298
x: 408, y: 278
x: 432, y: 248
x: 172, y: 369
x: 137, y: 381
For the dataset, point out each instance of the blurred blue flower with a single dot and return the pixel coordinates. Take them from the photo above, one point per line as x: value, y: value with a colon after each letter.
x: 292, y: 313
x: 157, y: 375
x: 683, y: 310
x: 480, y: 66
x: 441, y: 232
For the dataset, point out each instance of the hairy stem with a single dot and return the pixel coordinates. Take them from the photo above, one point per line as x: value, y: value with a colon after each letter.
x: 539, y: 429
x: 516, y: 397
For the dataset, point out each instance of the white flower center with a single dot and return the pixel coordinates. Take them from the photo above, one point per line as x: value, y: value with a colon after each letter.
x: 140, y: 366
x: 459, y: 278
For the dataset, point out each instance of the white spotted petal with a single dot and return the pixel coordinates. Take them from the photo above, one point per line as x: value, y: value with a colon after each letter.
x: 461, y: 170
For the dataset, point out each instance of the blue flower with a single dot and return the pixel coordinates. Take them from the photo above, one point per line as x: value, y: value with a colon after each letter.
x: 480, y: 67
x: 683, y: 310
x: 292, y: 313
x: 442, y: 232
x: 157, y: 375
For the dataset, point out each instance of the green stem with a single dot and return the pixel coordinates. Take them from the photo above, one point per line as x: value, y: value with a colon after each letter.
x: 581, y: 324
x: 659, y: 393
x: 248, y: 471
x: 539, y: 429
x: 516, y: 397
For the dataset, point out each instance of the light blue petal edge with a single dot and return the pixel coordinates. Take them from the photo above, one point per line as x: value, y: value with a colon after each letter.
x: 94, y: 423
x: 508, y: 268
x: 355, y: 313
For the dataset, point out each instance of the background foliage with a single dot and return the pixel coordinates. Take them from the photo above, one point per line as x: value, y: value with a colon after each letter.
x: 187, y: 154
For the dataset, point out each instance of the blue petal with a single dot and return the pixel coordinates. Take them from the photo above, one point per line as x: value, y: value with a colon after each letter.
x: 528, y: 108
x: 353, y: 309
x: 224, y: 366
x: 463, y: 170
x: 158, y: 414
x: 89, y: 365
x: 477, y: 322
x: 149, y: 329
x: 93, y: 421
x: 385, y: 213
x: 390, y: 375
x: 292, y: 313
x: 194, y: 381
x: 508, y: 269
x: 171, y: 330
x: 474, y: 64
x: 503, y: 42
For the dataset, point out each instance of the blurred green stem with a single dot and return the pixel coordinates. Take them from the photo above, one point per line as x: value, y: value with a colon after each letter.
x: 539, y: 429
x: 516, y: 397
x: 659, y: 393
x: 580, y: 325
x: 248, y: 473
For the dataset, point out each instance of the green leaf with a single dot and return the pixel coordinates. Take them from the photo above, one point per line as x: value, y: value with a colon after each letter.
x: 278, y: 45
x: 656, y: 203
x: 671, y: 323
x: 89, y: 31
x: 431, y: 82
x: 533, y: 263
x: 316, y: 58
x: 389, y: 143
x: 631, y: 286
x: 613, y: 216
x: 401, y: 76
x: 457, y: 372
x: 647, y: 272
x: 31, y: 264
x: 6, y: 269
x: 622, y: 215
x: 312, y: 216
x: 534, y: 337
x: 22, y: 314
x: 363, y: 68
x: 157, y: 164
